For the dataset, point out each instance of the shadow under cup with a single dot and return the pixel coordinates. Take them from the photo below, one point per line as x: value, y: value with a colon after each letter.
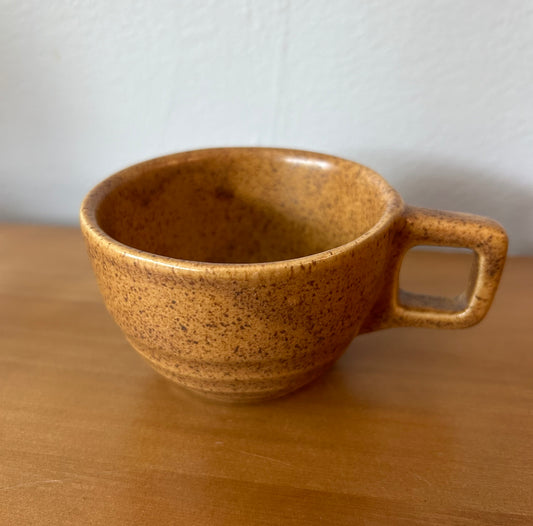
x: 242, y: 207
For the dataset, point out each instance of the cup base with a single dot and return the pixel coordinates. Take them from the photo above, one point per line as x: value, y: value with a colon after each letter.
x: 246, y: 391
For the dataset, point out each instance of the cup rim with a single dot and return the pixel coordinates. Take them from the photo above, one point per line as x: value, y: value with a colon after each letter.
x: 90, y: 226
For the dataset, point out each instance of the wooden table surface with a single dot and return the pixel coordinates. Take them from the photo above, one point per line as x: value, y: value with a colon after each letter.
x: 411, y: 426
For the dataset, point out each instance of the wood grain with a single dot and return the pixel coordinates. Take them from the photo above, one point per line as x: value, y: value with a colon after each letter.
x: 412, y: 426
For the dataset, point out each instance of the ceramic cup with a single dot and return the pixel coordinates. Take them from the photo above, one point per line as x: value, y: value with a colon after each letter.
x: 244, y: 273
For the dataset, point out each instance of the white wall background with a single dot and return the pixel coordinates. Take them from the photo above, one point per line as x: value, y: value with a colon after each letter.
x: 437, y: 96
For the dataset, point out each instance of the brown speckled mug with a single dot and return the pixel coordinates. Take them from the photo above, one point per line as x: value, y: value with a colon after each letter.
x: 244, y: 273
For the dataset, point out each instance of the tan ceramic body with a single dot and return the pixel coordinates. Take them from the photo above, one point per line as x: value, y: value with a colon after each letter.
x: 256, y: 330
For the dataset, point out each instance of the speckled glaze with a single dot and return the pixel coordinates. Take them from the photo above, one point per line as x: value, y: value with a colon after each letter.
x: 244, y: 273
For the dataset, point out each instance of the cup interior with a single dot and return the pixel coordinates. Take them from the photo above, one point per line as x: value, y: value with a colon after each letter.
x: 247, y: 205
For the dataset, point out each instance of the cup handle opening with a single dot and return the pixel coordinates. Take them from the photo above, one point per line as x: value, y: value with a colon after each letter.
x: 420, y: 226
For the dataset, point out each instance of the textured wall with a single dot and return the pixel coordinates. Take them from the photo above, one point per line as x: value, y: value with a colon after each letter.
x: 437, y: 96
